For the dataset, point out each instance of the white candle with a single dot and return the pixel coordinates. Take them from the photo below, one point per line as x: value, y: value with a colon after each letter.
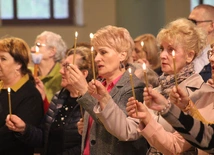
x: 175, y: 74
x: 145, y: 75
x: 9, y: 101
x: 92, y: 61
x: 75, y: 45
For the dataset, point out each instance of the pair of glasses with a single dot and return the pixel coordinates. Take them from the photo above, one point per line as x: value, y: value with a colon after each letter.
x: 40, y: 45
x: 199, y: 21
x: 153, y: 151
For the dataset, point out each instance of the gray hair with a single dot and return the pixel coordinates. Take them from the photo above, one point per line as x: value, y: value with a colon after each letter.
x: 56, y: 41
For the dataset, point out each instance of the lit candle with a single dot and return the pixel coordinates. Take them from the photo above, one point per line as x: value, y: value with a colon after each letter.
x: 145, y: 75
x: 91, y: 37
x: 132, y: 85
x: 75, y: 46
x: 92, y: 61
x: 175, y: 74
x: 36, y: 58
x: 9, y: 101
x: 142, y: 43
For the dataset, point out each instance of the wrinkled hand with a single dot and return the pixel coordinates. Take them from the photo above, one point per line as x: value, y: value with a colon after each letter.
x: 15, y: 123
x: 179, y: 98
x: 80, y: 126
x: 143, y: 113
x: 76, y: 79
x: 154, y: 100
x: 98, y: 91
x: 40, y: 86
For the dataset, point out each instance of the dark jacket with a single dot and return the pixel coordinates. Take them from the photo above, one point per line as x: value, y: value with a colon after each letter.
x: 26, y: 104
x: 71, y: 140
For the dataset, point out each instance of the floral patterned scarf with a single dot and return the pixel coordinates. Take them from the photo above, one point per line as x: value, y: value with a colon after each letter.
x: 168, y: 81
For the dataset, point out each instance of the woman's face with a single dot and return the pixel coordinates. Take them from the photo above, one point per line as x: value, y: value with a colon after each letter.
x: 8, y: 66
x: 167, y: 59
x: 138, y: 53
x: 108, y: 62
x: 64, y: 71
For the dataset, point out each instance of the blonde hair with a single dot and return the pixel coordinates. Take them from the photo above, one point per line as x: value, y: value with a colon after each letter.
x: 150, y: 48
x: 184, y: 33
x: 116, y: 38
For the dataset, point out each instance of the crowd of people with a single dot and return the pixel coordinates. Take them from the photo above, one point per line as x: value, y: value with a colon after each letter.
x: 152, y: 95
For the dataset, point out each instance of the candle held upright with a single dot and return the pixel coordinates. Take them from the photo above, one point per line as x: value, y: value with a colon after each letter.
x: 175, y: 72
x: 132, y: 85
x: 9, y: 101
x: 75, y: 46
x: 36, y: 58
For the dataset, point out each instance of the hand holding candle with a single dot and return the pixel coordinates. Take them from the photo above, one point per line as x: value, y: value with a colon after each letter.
x: 9, y: 101
x: 36, y: 58
x: 75, y: 46
x: 132, y: 85
x: 175, y: 74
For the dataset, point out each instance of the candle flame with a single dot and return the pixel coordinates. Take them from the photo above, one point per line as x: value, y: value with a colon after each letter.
x: 76, y: 34
x: 92, y: 48
x: 8, y: 89
x: 91, y: 35
x: 130, y: 70
x: 173, y: 53
x: 144, y: 66
x: 142, y: 43
x: 37, y: 49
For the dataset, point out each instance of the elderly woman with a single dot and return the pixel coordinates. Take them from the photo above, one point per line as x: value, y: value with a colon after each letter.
x: 53, y: 48
x: 191, y: 129
x: 186, y: 40
x: 26, y: 101
x: 113, y: 47
x: 59, y: 129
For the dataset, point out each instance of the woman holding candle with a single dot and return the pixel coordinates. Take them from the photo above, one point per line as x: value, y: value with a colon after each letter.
x: 112, y: 47
x: 186, y: 40
x: 17, y: 87
x: 52, y: 48
x: 59, y: 128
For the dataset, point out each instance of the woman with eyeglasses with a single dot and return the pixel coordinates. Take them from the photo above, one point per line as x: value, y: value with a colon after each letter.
x: 186, y: 40
x: 53, y: 48
x: 58, y: 132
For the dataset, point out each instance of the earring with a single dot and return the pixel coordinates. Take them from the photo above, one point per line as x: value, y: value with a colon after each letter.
x: 121, y: 65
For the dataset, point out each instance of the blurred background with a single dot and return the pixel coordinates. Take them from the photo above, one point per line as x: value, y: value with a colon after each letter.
x: 28, y: 18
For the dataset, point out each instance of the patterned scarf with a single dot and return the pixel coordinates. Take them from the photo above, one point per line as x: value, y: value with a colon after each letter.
x: 168, y: 81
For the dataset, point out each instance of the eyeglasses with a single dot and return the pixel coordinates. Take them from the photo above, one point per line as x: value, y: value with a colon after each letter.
x: 153, y: 151
x: 40, y: 45
x: 199, y: 21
